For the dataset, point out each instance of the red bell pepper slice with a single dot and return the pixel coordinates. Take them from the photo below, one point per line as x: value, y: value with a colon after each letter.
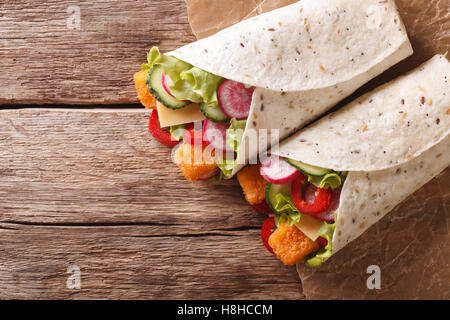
x: 322, y: 242
x: 266, y: 232
x: 158, y: 133
x: 320, y: 204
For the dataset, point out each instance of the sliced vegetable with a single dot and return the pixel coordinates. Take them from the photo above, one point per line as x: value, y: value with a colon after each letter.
x: 272, y: 190
x: 328, y: 215
x: 266, y: 231
x: 308, y: 169
x: 215, y: 133
x: 262, y: 207
x: 326, y: 231
x: 330, y: 180
x: 156, y: 87
x: 177, y: 131
x: 277, y: 171
x: 235, y: 133
x: 213, y: 112
x: 314, y: 201
x: 165, y: 83
x: 226, y: 166
x: 158, y: 133
x: 235, y: 99
x: 322, y: 242
x: 189, y: 82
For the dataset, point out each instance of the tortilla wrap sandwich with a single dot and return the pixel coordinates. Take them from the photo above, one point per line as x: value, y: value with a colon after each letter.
x: 266, y: 76
x: 334, y: 179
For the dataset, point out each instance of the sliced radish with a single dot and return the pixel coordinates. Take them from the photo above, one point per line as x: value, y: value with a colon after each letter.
x: 277, y: 171
x: 327, y: 215
x: 235, y: 99
x: 166, y: 82
x: 209, y: 176
x: 215, y: 133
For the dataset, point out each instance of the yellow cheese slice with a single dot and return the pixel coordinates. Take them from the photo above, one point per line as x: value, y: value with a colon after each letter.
x: 309, y: 226
x: 169, y: 117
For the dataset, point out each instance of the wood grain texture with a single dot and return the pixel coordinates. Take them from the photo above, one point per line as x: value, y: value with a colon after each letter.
x: 44, y: 62
x: 92, y: 188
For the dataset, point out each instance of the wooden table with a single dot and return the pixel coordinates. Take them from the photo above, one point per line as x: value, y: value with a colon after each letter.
x: 83, y: 186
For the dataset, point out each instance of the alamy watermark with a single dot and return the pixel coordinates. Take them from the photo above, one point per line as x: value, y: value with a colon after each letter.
x: 251, y: 144
x: 73, y: 21
x: 374, y: 280
x: 74, y: 280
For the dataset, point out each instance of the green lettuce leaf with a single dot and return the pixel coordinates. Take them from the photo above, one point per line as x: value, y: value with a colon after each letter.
x: 235, y: 133
x: 285, y: 210
x: 177, y: 132
x: 330, y: 180
x: 234, y: 138
x: 326, y: 231
x: 203, y: 83
x: 226, y: 166
x: 189, y: 82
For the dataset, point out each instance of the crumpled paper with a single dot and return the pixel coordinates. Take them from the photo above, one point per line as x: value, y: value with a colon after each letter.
x: 209, y: 17
x: 406, y: 255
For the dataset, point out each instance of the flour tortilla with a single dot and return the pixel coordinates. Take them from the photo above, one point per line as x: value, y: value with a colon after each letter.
x: 392, y: 140
x: 293, y: 110
x: 386, y: 127
x: 303, y: 58
x: 369, y: 196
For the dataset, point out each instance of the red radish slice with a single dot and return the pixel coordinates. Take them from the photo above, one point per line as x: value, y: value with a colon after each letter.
x: 235, y: 99
x: 277, y: 171
x: 215, y: 133
x: 209, y: 176
x: 328, y: 215
x: 166, y: 81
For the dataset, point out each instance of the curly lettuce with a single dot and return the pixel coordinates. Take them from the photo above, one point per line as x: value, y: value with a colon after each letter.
x: 177, y: 132
x: 235, y: 133
x: 226, y: 166
x: 188, y: 82
x: 286, y: 210
x: 330, y: 180
x: 234, y: 137
x: 326, y: 231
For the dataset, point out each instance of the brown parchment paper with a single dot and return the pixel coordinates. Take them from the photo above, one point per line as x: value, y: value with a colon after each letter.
x: 411, y: 245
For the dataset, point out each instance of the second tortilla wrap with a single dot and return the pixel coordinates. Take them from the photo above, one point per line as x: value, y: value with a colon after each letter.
x: 303, y: 59
x: 392, y: 141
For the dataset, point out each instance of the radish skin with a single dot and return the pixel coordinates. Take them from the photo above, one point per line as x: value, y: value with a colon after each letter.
x: 277, y: 171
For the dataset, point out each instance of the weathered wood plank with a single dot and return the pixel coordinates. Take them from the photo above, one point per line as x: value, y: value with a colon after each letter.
x: 95, y: 190
x: 43, y: 61
x: 140, y: 262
